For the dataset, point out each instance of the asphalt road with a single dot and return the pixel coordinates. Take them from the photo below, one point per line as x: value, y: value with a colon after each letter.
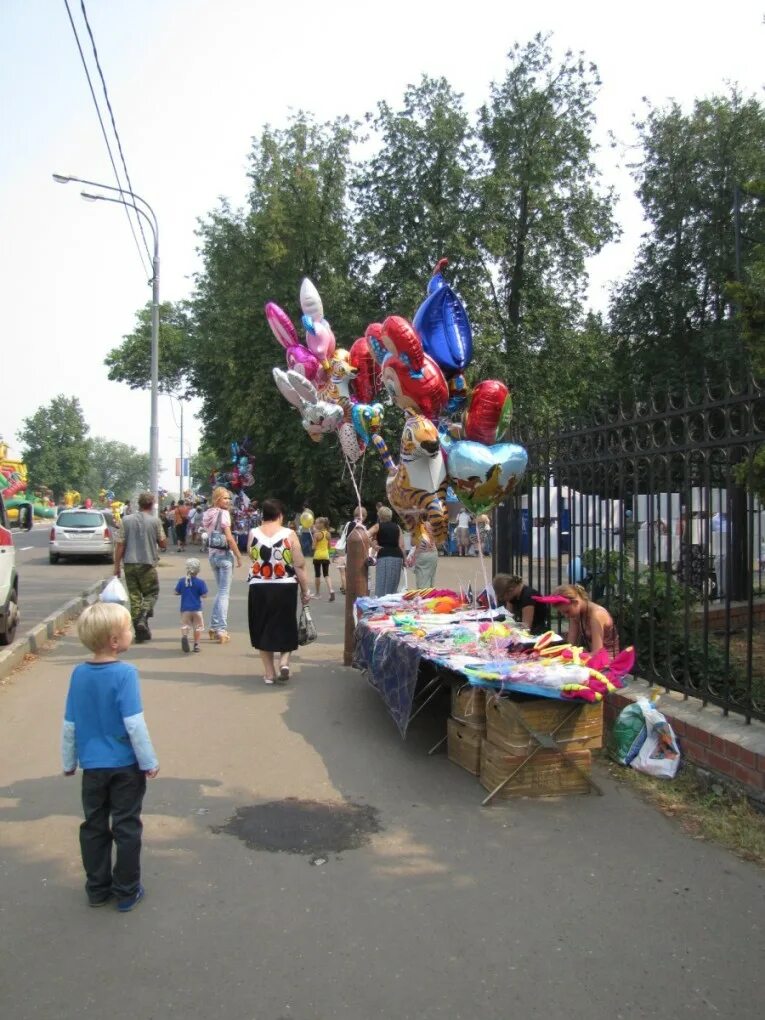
x: 406, y: 900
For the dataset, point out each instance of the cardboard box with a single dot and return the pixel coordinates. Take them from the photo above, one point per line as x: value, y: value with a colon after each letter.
x: 583, y: 729
x: 463, y: 745
x: 548, y: 774
x: 469, y: 705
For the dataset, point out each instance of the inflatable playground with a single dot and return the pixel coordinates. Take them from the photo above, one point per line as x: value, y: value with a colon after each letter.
x: 13, y: 485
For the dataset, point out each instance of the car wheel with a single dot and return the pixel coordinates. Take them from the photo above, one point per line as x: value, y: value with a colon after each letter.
x: 12, y: 619
x: 109, y: 557
x: 52, y: 557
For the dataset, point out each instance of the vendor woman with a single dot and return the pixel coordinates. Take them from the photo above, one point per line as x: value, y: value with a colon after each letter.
x: 518, y: 597
x: 590, y: 626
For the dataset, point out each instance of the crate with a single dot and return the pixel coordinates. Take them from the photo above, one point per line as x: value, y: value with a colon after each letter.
x: 582, y: 731
x: 469, y: 705
x: 548, y: 774
x: 463, y: 745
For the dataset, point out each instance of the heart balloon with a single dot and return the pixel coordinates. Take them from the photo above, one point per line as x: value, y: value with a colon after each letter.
x: 482, y: 476
x: 489, y: 412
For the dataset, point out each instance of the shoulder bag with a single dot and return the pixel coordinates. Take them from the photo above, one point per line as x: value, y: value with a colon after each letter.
x: 216, y: 539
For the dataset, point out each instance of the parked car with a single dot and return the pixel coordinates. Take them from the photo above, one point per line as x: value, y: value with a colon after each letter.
x: 82, y: 531
x: 9, y: 578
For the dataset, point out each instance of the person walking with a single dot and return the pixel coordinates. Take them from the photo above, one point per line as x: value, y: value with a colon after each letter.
x: 388, y: 540
x: 341, y: 559
x: 141, y: 537
x: 424, y: 556
x: 105, y: 732
x: 222, y: 553
x: 463, y: 533
x: 192, y: 590
x: 321, y: 536
x: 278, y: 568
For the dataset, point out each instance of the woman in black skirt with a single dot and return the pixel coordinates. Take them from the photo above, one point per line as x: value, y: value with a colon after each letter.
x: 277, y: 570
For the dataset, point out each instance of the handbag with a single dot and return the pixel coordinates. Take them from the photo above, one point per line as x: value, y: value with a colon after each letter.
x: 216, y: 539
x: 306, y: 628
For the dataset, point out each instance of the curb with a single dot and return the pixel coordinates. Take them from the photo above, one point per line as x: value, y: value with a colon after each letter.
x: 34, y: 640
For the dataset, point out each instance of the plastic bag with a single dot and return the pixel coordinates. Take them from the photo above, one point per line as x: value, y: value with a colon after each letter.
x: 659, y: 754
x: 342, y: 542
x: 306, y: 628
x: 629, y: 732
x: 114, y: 591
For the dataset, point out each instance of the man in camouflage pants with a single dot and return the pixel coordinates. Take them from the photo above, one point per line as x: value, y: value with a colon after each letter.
x: 140, y: 539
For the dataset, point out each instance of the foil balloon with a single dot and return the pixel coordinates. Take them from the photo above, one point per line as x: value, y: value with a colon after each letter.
x: 399, y: 339
x: 489, y: 411
x: 416, y: 486
x: 443, y: 325
x: 306, y: 519
x: 374, y: 335
x: 367, y: 419
x: 320, y: 340
x: 482, y: 476
x: 349, y: 442
x: 368, y: 380
x: 322, y: 417
x: 419, y: 392
x: 310, y: 302
x: 302, y: 360
x: 295, y: 388
x: 281, y: 325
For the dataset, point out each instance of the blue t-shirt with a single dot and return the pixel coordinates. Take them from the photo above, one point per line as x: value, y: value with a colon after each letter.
x: 101, y: 696
x: 191, y: 593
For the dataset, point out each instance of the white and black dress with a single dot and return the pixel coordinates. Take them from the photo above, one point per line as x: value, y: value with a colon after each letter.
x: 273, y: 593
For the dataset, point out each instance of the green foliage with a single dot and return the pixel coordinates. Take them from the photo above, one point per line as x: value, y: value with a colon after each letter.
x: 131, y: 361
x: 55, y: 446
x: 116, y: 466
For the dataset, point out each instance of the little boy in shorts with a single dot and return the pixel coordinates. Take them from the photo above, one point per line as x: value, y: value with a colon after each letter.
x: 192, y: 590
x: 104, y: 730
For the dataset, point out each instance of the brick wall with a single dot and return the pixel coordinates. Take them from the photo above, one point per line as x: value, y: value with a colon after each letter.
x: 725, y: 757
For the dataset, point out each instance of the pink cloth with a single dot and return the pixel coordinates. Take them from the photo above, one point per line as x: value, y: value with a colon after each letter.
x: 210, y: 516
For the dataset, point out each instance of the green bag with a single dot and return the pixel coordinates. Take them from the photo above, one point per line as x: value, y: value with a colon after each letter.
x: 629, y: 733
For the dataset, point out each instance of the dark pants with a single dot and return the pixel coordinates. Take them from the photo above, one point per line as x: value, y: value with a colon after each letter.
x: 116, y: 793
x: 142, y: 581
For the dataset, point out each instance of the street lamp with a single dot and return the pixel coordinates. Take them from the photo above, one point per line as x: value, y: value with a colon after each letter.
x: 151, y: 219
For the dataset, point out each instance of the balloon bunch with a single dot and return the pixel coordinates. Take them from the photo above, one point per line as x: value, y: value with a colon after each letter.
x: 331, y: 387
x: 241, y: 472
x: 422, y: 365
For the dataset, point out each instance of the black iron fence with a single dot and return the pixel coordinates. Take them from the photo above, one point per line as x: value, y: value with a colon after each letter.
x: 653, y: 509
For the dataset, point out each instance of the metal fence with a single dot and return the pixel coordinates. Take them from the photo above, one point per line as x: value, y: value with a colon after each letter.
x: 650, y: 508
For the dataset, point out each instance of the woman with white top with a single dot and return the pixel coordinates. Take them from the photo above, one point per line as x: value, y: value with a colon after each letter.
x: 277, y: 570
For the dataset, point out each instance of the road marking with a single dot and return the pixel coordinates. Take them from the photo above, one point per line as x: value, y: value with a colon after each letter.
x: 25, y: 547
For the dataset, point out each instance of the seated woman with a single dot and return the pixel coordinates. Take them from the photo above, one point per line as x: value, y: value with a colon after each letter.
x: 388, y: 540
x: 590, y: 625
x: 518, y: 597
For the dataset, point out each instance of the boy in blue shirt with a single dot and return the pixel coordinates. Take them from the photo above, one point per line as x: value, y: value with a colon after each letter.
x: 192, y: 590
x: 104, y: 730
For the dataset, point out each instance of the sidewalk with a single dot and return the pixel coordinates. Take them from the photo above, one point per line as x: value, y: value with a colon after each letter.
x: 594, y: 907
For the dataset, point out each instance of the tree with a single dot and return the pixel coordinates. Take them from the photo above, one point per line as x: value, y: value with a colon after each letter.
x: 131, y: 361
x: 117, y: 467
x: 673, y: 317
x: 55, y: 446
x: 542, y: 213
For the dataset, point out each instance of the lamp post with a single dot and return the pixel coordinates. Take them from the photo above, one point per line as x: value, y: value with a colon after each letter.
x: 151, y: 219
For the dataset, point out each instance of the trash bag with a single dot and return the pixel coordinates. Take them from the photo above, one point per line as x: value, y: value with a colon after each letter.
x: 114, y: 591
x: 629, y: 733
x: 306, y: 628
x: 659, y: 754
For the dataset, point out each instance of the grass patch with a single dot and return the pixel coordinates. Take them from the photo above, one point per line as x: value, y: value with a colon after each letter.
x: 705, y: 810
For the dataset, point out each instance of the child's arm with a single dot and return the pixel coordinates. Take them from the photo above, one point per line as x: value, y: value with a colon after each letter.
x: 68, y: 742
x: 135, y: 724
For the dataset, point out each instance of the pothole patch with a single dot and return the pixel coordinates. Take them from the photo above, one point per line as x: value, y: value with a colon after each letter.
x: 307, y: 827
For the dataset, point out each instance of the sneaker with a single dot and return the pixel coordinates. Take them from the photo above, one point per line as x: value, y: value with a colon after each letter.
x: 142, y: 632
x: 268, y: 680
x: 284, y: 674
x: 197, y: 648
x: 331, y: 596
x: 126, y: 905
x: 185, y: 644
x: 102, y: 902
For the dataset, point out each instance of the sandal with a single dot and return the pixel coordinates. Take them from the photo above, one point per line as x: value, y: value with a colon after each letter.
x: 213, y: 635
x: 268, y: 680
x: 223, y: 636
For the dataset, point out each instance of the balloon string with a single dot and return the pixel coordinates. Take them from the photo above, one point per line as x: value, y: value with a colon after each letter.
x: 350, y: 472
x: 495, y: 645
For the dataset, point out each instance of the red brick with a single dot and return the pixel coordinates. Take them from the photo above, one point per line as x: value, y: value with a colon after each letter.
x: 750, y: 777
x: 700, y: 736
x: 761, y: 762
x: 748, y: 758
x: 677, y: 725
x: 694, y: 752
x: 720, y: 764
x: 724, y: 747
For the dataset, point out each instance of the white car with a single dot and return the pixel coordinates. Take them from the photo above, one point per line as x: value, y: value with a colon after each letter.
x: 82, y: 531
x: 9, y: 578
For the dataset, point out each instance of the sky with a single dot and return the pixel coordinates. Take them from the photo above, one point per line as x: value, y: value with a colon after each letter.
x: 191, y: 82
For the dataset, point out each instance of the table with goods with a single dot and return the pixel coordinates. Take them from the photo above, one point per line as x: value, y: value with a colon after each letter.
x: 526, y: 710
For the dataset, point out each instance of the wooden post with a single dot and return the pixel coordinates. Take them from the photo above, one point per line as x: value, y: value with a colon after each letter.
x: 356, y: 583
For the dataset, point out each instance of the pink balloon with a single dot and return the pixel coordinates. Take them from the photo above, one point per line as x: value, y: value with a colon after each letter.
x: 281, y: 325
x: 301, y: 360
x: 321, y: 341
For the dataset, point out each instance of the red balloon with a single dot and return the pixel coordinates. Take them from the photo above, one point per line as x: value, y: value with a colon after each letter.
x: 367, y: 381
x: 489, y: 411
x: 424, y: 392
x: 400, y: 338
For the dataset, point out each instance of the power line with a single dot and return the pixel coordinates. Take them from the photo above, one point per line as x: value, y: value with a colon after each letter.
x: 106, y: 137
x: 111, y: 114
